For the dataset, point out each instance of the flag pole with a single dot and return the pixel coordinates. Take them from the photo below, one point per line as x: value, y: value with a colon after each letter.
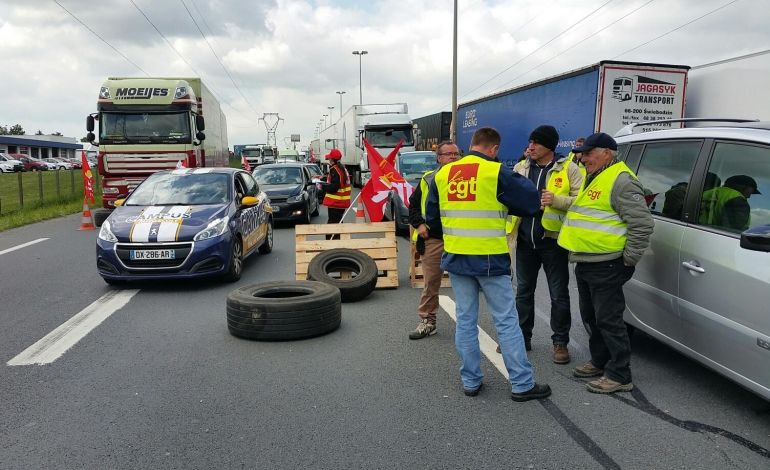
x: 352, y: 204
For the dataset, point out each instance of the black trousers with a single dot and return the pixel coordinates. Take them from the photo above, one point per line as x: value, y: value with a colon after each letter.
x: 602, y: 303
x: 555, y: 262
x: 335, y: 215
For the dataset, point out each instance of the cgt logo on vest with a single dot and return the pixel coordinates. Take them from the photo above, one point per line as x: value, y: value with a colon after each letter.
x: 558, y: 182
x: 462, y: 182
x: 593, y: 194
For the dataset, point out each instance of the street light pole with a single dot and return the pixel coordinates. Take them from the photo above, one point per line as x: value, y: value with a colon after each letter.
x: 330, y: 114
x: 340, y: 93
x: 360, y: 86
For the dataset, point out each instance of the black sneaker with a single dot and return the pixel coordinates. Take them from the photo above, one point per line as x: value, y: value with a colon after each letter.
x: 535, y: 393
x: 472, y: 392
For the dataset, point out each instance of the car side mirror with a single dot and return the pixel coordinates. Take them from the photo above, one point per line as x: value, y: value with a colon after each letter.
x: 119, y: 202
x: 756, y: 238
x: 249, y: 201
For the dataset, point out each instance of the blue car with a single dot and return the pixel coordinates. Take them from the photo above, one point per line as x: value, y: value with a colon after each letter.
x: 184, y: 224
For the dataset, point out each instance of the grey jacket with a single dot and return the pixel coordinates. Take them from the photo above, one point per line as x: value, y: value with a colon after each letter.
x: 627, y: 199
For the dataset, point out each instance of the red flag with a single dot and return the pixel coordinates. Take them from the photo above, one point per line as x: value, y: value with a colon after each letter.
x: 246, y: 165
x: 391, y: 158
x: 88, y: 179
x: 384, y: 179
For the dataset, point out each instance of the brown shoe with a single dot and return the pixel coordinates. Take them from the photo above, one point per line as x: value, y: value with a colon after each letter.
x: 607, y: 385
x: 587, y: 370
x: 560, y: 354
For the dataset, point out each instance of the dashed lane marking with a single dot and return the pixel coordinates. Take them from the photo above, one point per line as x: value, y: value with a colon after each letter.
x: 53, y: 345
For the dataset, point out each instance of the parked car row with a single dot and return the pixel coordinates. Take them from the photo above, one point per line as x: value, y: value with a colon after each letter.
x: 14, y: 162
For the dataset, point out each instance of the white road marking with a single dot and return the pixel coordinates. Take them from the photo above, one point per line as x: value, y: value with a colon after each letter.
x: 17, y: 247
x: 487, y: 344
x: 56, y: 343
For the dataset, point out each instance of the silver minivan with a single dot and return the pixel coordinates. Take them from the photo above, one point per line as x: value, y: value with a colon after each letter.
x: 703, y: 287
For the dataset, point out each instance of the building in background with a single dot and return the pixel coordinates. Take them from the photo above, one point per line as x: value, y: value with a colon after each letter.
x: 41, y: 146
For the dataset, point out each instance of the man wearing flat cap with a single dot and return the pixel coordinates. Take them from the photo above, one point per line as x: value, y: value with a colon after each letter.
x: 606, y: 230
x: 728, y: 205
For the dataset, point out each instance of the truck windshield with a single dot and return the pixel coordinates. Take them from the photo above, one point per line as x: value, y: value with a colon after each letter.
x: 250, y: 153
x: 172, y: 189
x: 155, y: 128
x: 389, y: 136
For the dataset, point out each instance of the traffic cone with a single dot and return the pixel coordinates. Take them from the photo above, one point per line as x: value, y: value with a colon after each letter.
x: 360, y: 214
x: 86, y: 223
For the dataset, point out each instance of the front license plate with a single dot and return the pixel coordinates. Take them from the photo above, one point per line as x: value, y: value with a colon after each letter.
x: 152, y: 254
x: 276, y: 208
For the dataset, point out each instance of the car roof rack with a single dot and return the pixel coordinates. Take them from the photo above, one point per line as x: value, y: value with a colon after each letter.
x: 629, y: 129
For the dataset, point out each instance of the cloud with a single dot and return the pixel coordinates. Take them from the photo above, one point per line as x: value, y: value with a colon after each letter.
x: 291, y: 56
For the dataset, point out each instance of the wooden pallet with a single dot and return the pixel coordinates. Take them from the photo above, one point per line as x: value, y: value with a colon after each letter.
x: 376, y: 239
x: 416, y: 278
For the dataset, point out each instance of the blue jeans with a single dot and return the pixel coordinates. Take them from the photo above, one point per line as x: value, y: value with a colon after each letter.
x: 555, y: 262
x: 499, y: 296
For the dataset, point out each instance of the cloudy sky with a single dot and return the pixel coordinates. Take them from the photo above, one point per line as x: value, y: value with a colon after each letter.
x: 292, y: 56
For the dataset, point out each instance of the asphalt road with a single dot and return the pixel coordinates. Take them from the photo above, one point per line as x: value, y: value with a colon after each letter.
x: 161, y: 383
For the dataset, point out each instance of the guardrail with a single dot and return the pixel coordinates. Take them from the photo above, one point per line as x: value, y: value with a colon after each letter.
x: 19, y: 191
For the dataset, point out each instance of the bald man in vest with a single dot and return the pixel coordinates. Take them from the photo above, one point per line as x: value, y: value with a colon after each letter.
x: 607, y: 230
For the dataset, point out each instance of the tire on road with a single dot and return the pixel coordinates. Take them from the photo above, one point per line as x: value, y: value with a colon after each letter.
x: 353, y: 272
x: 283, y: 310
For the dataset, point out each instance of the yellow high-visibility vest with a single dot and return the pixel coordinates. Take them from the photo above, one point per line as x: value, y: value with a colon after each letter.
x: 425, y: 181
x: 713, y: 203
x: 472, y: 219
x: 592, y: 225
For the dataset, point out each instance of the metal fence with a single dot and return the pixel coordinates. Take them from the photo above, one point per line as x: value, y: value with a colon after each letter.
x: 24, y: 190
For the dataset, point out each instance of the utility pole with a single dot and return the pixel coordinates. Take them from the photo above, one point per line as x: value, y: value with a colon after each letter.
x: 271, y: 121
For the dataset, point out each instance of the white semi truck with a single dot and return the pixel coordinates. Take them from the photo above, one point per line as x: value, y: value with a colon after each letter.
x: 382, y: 125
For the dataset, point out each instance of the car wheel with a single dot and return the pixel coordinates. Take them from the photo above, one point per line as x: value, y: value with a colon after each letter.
x: 100, y: 215
x: 353, y: 272
x: 283, y: 310
x: 267, y: 245
x: 236, y: 260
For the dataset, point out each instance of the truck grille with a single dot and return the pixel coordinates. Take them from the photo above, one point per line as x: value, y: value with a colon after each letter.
x: 141, y: 163
x: 181, y: 252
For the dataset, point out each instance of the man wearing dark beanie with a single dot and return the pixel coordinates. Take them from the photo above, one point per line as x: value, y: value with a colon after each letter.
x: 558, y: 180
x: 545, y: 136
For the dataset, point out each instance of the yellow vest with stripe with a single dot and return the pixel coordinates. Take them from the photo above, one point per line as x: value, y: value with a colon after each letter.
x: 559, y: 184
x: 472, y: 219
x: 592, y: 225
x: 424, y: 188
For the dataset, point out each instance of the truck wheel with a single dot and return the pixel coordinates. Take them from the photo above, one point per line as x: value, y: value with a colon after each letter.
x: 283, y: 310
x: 353, y: 272
x: 100, y: 215
x: 267, y: 245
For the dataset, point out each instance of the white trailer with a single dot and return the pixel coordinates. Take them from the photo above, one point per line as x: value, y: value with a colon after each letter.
x: 382, y: 125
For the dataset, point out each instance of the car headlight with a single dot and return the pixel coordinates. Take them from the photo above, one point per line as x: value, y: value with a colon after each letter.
x: 105, y: 233
x: 214, y: 229
x: 297, y: 198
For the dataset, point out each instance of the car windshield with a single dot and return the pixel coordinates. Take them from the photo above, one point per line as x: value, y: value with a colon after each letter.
x: 412, y: 166
x: 167, y: 128
x: 274, y: 176
x: 181, y: 188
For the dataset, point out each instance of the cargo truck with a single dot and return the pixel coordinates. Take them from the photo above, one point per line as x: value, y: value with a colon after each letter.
x: 602, y: 97
x: 434, y: 129
x: 151, y: 124
x: 382, y: 125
